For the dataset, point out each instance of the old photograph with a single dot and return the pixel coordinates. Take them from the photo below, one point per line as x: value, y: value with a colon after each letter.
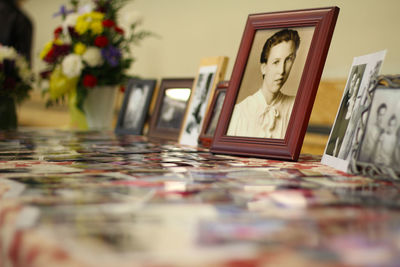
x: 172, y: 109
x: 134, y: 109
x: 381, y: 142
x: 350, y: 96
x: 270, y: 83
x: 340, y: 146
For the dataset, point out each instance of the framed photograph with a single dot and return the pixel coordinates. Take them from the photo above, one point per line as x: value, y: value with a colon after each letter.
x: 170, y: 108
x: 212, y: 115
x: 135, y: 106
x: 363, y: 73
x: 377, y: 137
x: 211, y: 71
x: 274, y: 82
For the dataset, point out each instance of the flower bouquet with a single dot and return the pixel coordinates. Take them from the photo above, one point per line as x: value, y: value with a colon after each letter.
x: 88, y: 51
x: 15, y: 83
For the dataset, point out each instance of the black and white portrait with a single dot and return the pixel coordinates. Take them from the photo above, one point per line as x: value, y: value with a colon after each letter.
x: 341, y: 144
x: 336, y: 144
x: 198, y: 105
x: 173, y: 108
x: 135, y: 106
x: 269, y: 87
x: 133, y: 113
x: 381, y: 142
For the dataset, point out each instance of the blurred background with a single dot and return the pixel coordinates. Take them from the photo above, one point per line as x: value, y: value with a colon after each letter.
x: 189, y: 30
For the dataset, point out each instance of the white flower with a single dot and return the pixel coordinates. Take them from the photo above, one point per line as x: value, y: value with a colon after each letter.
x: 7, y: 52
x: 23, y: 69
x: 92, y: 56
x: 72, y: 65
x: 85, y: 9
x: 70, y: 19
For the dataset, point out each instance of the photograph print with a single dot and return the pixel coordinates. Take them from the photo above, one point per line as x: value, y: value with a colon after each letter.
x: 380, y: 144
x: 341, y: 143
x: 350, y: 95
x: 211, y: 71
x: 200, y: 97
x: 170, y: 108
x: 274, y: 83
x: 133, y: 113
x: 266, y: 96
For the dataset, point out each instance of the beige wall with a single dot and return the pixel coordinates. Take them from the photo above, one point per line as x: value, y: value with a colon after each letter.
x: 191, y: 29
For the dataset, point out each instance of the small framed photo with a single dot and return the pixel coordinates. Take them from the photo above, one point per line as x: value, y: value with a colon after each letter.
x: 340, y: 145
x: 170, y: 108
x: 212, y: 116
x: 274, y: 82
x: 377, y: 137
x: 135, y: 106
x: 211, y: 71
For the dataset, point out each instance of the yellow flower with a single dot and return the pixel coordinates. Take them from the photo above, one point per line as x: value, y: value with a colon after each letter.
x: 61, y: 84
x: 46, y: 49
x: 79, y: 48
x: 82, y: 24
x: 58, y: 42
x: 96, y: 15
x: 96, y: 27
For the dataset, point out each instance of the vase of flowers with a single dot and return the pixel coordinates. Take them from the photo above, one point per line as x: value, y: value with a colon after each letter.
x: 89, y: 51
x: 15, y: 83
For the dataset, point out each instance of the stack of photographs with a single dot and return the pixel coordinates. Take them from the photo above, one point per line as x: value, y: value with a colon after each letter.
x: 99, y: 199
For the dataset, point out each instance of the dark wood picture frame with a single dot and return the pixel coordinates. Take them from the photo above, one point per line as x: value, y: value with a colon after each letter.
x: 206, y: 135
x: 168, y: 132
x: 140, y: 113
x: 323, y: 21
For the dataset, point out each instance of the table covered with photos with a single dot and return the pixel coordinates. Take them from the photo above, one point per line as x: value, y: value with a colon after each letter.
x: 97, y: 199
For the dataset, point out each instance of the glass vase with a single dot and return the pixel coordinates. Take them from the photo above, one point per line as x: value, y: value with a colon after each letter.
x: 98, y: 107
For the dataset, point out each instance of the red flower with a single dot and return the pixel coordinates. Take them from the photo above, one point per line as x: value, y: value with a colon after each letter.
x: 89, y: 81
x: 122, y: 89
x: 108, y: 23
x: 57, y: 51
x: 119, y: 30
x: 45, y: 74
x: 50, y: 58
x: 57, y: 32
x: 101, y: 41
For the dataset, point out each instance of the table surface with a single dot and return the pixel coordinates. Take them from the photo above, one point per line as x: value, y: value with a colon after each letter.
x: 96, y: 199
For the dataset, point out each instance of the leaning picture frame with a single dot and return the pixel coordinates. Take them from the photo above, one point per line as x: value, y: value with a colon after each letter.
x: 376, y: 150
x: 274, y: 83
x: 170, y: 108
x: 211, y: 71
x: 212, y: 115
x: 362, y: 74
x: 134, y: 110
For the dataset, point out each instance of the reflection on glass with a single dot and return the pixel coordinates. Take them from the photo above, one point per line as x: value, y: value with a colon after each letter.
x: 181, y: 94
x: 173, y: 108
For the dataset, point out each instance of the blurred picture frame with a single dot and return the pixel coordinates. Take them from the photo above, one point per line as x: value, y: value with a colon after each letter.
x: 377, y: 139
x: 300, y: 39
x: 135, y: 106
x: 170, y: 108
x: 211, y: 71
x: 212, y: 115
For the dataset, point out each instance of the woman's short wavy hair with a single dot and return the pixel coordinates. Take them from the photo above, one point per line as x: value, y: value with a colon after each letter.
x: 284, y: 35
